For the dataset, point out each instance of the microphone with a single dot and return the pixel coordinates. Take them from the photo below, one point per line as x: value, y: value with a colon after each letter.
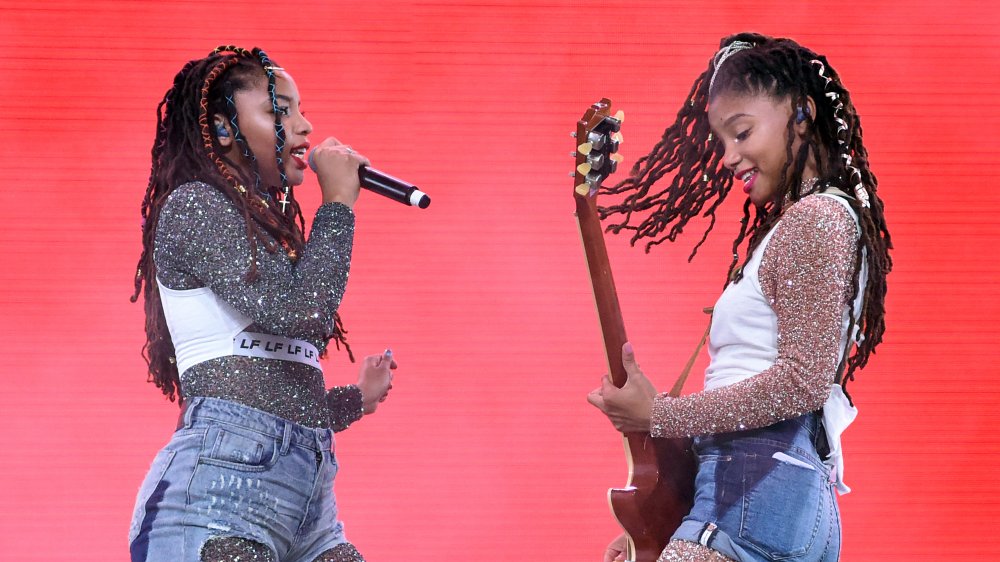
x: 387, y: 186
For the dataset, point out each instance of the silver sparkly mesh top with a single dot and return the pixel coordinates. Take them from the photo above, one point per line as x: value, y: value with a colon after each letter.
x: 201, y: 241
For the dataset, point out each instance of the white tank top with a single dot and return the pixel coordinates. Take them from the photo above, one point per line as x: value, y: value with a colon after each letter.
x: 744, y: 341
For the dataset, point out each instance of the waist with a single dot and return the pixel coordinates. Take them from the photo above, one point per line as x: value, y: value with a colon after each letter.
x: 805, y: 432
x: 201, y: 411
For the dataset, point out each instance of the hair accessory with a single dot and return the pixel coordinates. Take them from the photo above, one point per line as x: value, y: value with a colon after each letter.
x: 842, y: 135
x: 220, y: 131
x: 723, y: 54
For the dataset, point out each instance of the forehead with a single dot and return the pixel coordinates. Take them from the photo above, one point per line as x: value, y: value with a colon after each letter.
x: 284, y: 88
x: 726, y: 107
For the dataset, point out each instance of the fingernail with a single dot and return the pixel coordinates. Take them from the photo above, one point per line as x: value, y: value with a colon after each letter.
x: 388, y: 353
x: 628, y: 347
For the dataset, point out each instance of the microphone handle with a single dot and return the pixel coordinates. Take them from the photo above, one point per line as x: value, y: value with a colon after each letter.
x: 392, y: 187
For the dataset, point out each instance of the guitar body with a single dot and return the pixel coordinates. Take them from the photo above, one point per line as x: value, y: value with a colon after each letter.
x: 659, y: 494
x: 660, y: 487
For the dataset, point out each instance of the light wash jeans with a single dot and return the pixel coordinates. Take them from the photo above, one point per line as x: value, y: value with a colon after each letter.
x: 764, y: 494
x: 234, y: 471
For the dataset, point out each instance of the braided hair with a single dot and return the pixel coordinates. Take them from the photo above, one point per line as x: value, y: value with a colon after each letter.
x: 185, y: 150
x: 697, y: 181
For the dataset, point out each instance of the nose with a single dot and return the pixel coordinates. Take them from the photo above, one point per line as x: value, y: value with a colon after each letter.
x: 731, y: 158
x: 305, y: 127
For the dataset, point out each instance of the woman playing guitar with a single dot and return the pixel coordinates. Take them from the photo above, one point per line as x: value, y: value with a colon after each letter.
x: 801, y: 312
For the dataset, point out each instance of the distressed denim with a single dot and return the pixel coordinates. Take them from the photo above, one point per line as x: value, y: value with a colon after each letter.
x: 234, y: 471
x: 765, y: 494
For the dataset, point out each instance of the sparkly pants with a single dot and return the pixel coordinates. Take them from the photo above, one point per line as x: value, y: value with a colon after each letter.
x: 764, y: 494
x: 233, y: 471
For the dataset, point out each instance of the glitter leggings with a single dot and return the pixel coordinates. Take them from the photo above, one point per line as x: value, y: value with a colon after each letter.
x: 233, y: 472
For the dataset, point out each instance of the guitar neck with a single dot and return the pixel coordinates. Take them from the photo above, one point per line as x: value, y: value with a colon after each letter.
x: 606, y: 297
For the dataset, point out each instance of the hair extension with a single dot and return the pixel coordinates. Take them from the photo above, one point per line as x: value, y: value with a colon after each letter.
x: 185, y: 150
x: 697, y: 181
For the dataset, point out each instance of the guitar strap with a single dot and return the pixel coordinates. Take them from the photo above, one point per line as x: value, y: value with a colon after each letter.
x: 676, y: 390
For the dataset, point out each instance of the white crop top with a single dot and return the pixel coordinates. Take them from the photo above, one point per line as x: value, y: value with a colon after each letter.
x: 202, y: 326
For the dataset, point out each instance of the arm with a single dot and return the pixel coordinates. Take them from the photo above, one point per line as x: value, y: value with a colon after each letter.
x: 805, y: 273
x: 201, y: 235
x: 347, y: 404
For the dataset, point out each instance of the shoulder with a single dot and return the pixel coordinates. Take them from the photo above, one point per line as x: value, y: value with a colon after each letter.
x: 200, y: 200
x: 198, y: 207
x: 818, y: 215
x: 197, y: 193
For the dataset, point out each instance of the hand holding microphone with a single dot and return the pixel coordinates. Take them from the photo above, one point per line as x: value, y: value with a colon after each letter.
x: 335, y: 165
x: 328, y: 160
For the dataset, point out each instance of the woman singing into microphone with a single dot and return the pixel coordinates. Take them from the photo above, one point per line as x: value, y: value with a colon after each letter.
x: 239, y: 307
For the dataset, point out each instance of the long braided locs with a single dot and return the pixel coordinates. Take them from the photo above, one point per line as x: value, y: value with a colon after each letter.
x: 689, y: 160
x: 185, y: 150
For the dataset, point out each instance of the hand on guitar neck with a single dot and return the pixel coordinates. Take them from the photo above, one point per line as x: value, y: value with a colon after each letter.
x: 630, y: 407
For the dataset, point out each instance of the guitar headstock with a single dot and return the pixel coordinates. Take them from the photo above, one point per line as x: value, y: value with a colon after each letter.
x: 598, y: 137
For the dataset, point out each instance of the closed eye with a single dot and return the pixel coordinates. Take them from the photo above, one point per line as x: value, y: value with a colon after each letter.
x: 743, y: 136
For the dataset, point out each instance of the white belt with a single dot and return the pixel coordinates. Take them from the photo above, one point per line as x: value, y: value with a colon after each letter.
x: 267, y: 346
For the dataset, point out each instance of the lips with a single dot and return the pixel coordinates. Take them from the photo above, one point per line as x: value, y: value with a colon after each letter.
x: 298, y: 154
x: 748, y: 177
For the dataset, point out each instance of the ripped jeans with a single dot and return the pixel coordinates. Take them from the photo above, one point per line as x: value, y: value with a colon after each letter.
x: 764, y: 494
x: 234, y: 471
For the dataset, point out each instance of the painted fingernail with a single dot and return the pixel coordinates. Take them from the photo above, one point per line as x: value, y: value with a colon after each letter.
x: 628, y: 347
x: 388, y: 353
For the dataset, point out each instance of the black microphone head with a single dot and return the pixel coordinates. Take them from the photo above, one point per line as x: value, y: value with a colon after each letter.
x: 424, y: 202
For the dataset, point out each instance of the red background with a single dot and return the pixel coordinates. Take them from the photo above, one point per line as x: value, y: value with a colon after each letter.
x: 487, y: 449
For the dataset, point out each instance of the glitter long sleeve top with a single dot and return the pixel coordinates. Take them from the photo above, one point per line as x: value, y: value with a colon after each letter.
x: 784, y: 359
x: 201, y: 241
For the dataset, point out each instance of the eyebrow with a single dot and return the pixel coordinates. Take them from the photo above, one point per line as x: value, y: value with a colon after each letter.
x: 734, y: 118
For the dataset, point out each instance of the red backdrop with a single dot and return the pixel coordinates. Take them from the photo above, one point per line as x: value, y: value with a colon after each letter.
x: 487, y: 449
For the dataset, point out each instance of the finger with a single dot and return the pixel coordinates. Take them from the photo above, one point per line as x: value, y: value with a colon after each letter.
x: 628, y: 358
x: 595, y: 399
x: 608, y: 387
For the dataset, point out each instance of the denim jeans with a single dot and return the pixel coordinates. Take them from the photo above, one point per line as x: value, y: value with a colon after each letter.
x: 764, y: 494
x: 234, y: 471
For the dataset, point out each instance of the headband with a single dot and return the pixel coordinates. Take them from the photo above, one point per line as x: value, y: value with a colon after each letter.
x: 723, y: 54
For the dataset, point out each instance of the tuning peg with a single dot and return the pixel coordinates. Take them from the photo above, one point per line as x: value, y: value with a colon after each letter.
x: 585, y: 148
x: 584, y: 168
x: 617, y: 157
x: 616, y: 137
x: 620, y: 116
x: 583, y: 189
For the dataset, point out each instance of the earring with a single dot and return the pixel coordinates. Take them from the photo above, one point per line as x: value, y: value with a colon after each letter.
x: 801, y: 113
x: 220, y: 131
